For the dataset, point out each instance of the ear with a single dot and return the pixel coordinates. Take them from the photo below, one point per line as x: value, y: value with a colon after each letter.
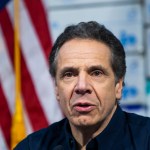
x: 118, y: 89
x: 57, y: 93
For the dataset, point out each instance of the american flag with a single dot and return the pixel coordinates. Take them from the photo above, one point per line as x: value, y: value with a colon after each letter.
x: 39, y: 103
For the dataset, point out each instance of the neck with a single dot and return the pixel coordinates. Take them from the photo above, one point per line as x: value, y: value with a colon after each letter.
x: 83, y: 134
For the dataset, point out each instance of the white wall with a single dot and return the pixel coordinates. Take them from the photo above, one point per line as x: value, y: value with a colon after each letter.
x: 129, y: 20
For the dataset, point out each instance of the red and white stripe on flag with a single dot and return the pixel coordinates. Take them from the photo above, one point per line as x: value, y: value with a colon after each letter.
x: 39, y: 102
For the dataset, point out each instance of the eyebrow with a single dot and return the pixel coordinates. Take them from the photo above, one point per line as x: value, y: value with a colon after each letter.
x: 68, y: 69
x: 89, y: 69
x: 98, y: 67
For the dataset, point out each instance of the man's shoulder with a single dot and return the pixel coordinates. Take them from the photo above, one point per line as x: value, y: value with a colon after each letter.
x: 52, y: 134
x: 56, y: 128
x: 137, y: 131
x: 138, y: 121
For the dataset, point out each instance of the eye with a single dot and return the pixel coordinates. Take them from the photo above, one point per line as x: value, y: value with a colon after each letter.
x: 96, y: 73
x: 68, y: 74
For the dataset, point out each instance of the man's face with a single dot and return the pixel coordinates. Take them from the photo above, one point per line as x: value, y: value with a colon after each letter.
x: 85, y: 83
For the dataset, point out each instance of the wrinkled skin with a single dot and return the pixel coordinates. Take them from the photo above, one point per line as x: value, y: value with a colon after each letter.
x: 85, y: 84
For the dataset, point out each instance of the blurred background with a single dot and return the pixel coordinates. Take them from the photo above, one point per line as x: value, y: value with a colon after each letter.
x: 37, y: 24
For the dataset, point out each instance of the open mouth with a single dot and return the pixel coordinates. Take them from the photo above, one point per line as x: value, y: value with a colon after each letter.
x: 84, y: 107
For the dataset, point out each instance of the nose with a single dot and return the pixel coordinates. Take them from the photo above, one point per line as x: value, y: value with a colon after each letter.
x: 83, y: 86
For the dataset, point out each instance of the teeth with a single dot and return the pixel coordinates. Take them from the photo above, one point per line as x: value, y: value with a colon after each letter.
x: 84, y: 105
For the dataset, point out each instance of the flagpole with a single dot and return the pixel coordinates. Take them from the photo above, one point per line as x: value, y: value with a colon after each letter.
x: 18, y: 126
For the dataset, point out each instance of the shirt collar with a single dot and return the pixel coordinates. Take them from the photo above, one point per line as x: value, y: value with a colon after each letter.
x: 109, y: 135
x: 70, y: 141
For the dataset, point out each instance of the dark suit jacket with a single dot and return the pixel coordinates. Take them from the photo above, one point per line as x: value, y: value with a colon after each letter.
x: 125, y: 131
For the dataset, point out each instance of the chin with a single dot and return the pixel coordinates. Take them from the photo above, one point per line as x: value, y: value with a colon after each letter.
x: 83, y: 121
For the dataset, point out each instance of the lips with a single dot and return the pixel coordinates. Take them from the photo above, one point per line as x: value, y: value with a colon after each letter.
x: 83, y: 107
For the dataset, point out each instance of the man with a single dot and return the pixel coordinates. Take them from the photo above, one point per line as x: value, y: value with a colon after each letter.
x: 88, y: 65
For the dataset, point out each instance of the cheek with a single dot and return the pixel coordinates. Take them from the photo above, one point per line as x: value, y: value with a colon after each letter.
x: 63, y: 101
x: 106, y: 94
x: 63, y: 96
x: 65, y: 91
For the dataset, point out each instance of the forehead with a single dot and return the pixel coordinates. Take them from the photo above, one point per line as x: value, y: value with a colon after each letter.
x: 83, y: 51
